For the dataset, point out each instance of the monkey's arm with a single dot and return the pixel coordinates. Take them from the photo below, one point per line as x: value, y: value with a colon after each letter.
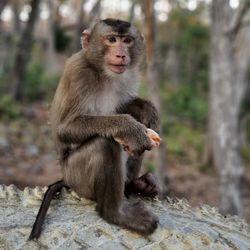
x: 143, y: 111
x: 121, y: 127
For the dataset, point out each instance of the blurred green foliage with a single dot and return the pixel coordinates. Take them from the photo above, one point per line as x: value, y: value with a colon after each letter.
x: 62, y: 40
x: 184, y: 102
x: 8, y: 108
x: 184, y: 141
x: 2, y: 82
x: 245, y: 154
x: 150, y: 166
x: 189, y: 37
x: 38, y: 85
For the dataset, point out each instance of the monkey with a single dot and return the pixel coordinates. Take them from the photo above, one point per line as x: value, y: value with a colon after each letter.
x: 101, y: 127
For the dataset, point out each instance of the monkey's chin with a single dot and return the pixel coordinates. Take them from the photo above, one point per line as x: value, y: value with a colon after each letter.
x: 118, y: 69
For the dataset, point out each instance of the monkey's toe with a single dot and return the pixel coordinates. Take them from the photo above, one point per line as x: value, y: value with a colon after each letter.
x: 140, y: 219
x: 145, y: 221
x: 149, y: 224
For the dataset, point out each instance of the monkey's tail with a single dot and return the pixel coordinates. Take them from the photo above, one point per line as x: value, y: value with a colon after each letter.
x: 52, y: 190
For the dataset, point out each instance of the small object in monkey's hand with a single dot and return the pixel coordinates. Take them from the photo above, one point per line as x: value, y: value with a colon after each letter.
x: 154, y: 137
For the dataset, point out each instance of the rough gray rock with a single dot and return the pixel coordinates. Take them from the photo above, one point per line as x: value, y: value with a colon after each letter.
x: 72, y: 223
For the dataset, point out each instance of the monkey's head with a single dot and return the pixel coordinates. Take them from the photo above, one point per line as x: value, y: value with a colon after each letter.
x: 113, y: 45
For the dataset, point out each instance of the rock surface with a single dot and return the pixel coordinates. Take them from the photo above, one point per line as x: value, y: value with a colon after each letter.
x: 72, y: 223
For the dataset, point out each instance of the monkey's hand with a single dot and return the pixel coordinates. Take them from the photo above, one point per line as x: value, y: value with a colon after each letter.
x: 134, y: 138
x: 145, y: 139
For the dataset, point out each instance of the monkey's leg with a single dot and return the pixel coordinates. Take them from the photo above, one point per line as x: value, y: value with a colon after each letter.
x: 133, y: 166
x: 146, y: 185
x: 96, y: 171
x: 109, y: 189
x: 48, y: 196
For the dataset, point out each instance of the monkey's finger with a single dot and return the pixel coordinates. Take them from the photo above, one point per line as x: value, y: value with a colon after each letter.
x: 155, y: 192
x: 149, y: 178
x: 149, y: 189
x: 139, y: 185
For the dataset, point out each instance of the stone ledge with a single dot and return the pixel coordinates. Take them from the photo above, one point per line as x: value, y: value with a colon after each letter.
x: 72, y: 223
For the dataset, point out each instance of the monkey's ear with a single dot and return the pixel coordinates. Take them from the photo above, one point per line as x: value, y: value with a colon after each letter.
x: 85, y: 39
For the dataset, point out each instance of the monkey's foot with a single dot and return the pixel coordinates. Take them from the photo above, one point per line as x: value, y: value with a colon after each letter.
x: 146, y: 186
x: 139, y: 218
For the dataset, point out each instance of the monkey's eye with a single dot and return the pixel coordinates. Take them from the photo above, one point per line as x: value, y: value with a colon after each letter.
x: 128, y: 40
x: 111, y: 39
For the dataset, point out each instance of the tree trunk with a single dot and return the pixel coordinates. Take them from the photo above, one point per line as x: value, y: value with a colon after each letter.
x: 51, y: 54
x: 95, y: 13
x: 80, y: 26
x: 84, y: 23
x: 226, y: 78
x: 153, y: 84
x: 2, y: 5
x: 132, y: 11
x: 16, y: 11
x: 23, y: 55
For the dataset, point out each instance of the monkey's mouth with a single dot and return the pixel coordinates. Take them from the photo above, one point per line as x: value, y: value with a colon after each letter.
x: 118, y: 68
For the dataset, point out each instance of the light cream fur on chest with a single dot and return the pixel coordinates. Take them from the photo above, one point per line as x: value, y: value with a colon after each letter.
x: 112, y: 94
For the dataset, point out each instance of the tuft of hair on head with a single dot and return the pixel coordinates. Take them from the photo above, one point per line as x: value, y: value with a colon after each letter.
x: 116, y: 22
x: 119, y: 25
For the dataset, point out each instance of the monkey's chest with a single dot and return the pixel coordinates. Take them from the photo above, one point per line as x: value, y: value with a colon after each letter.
x: 108, y: 100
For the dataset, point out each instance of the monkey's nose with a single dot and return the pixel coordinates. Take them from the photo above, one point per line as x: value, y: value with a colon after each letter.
x: 121, y: 56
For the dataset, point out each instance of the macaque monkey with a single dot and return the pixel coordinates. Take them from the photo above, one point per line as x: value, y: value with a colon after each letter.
x: 101, y: 128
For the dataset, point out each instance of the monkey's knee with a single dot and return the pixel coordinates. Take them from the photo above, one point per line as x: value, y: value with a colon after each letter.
x: 152, y: 121
x: 149, y: 116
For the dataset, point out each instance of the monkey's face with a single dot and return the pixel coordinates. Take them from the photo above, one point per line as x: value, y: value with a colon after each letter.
x: 113, y: 46
x: 117, y: 53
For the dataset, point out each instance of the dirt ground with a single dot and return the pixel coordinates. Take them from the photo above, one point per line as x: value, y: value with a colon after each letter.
x: 27, y: 158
